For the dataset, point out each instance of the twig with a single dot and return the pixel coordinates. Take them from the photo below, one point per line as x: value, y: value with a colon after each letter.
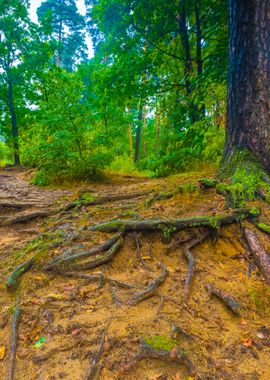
x: 14, y: 342
x: 95, y: 362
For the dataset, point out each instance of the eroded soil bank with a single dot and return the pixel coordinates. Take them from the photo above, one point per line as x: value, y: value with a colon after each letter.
x: 71, y: 327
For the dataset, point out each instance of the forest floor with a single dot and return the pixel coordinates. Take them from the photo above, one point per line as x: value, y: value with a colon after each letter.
x: 136, y: 318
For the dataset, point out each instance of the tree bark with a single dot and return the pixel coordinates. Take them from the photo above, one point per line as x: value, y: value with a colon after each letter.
x: 199, y: 49
x: 248, y: 99
x: 138, y: 135
x: 14, y: 127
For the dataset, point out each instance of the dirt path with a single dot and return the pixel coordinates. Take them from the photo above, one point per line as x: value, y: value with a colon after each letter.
x: 69, y: 323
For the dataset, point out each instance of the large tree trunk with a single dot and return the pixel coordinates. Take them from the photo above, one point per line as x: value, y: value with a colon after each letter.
x: 248, y: 102
x: 14, y: 127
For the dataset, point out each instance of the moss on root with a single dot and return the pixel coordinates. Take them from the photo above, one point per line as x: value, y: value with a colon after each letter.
x: 243, y: 179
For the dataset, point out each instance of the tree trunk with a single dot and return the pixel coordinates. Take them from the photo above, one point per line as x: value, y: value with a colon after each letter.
x: 248, y: 100
x: 138, y: 135
x: 14, y: 127
x: 199, y: 50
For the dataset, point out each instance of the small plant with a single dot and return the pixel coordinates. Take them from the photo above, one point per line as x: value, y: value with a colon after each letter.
x: 187, y: 188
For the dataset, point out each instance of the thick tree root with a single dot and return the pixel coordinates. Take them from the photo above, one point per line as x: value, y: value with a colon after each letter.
x: 176, y: 356
x: 225, y: 298
x: 191, y: 261
x: 16, y: 206
x: 101, y: 200
x: 14, y: 277
x: 100, y: 278
x: 261, y: 258
x: 99, y: 260
x: 175, y: 224
x: 65, y: 260
x: 25, y: 217
x: 14, y: 342
x: 95, y: 362
x: 151, y: 290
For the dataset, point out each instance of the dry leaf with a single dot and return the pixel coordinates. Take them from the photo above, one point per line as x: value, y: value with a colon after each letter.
x: 2, y: 352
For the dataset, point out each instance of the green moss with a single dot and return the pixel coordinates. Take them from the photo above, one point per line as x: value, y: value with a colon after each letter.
x: 264, y: 227
x: 208, y: 182
x: 85, y: 198
x: 160, y: 342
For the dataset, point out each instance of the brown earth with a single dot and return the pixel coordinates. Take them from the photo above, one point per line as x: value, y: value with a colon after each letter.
x: 63, y: 319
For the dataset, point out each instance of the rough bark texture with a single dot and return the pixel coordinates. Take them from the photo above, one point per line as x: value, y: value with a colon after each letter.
x: 261, y: 258
x: 248, y: 102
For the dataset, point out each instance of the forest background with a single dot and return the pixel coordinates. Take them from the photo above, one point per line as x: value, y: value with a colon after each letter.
x: 151, y: 101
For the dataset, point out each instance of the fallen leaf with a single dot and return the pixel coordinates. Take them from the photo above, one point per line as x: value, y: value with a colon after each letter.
x: 76, y: 332
x: 2, y: 352
x: 40, y: 342
x: 248, y: 343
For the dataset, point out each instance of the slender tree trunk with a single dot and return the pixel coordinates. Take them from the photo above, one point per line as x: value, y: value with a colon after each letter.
x: 138, y: 135
x: 14, y: 127
x: 199, y: 49
x: 144, y: 131
x: 157, y: 126
x: 58, y: 59
x: 130, y: 136
x: 183, y: 29
x: 248, y: 101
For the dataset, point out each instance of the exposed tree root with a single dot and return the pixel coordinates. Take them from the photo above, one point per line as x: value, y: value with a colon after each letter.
x: 176, y: 356
x: 191, y: 261
x: 95, y: 362
x: 160, y: 197
x: 14, y: 341
x: 151, y: 290
x: 14, y: 277
x: 261, y: 258
x: 65, y: 260
x: 25, y: 217
x: 99, y: 260
x: 225, y: 298
x: 139, y: 253
x: 99, y: 277
x: 16, y: 206
x: 175, y: 224
x: 102, y: 200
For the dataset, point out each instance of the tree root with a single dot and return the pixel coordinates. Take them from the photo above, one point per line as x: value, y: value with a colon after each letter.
x: 14, y: 277
x: 95, y: 362
x: 159, y: 197
x: 151, y: 290
x: 25, y: 217
x: 99, y: 277
x: 225, y: 298
x: 14, y: 342
x: 175, y: 224
x: 99, y: 260
x: 64, y: 260
x: 261, y: 258
x: 139, y: 253
x: 101, y: 200
x: 17, y: 206
x: 191, y: 261
x: 176, y: 356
